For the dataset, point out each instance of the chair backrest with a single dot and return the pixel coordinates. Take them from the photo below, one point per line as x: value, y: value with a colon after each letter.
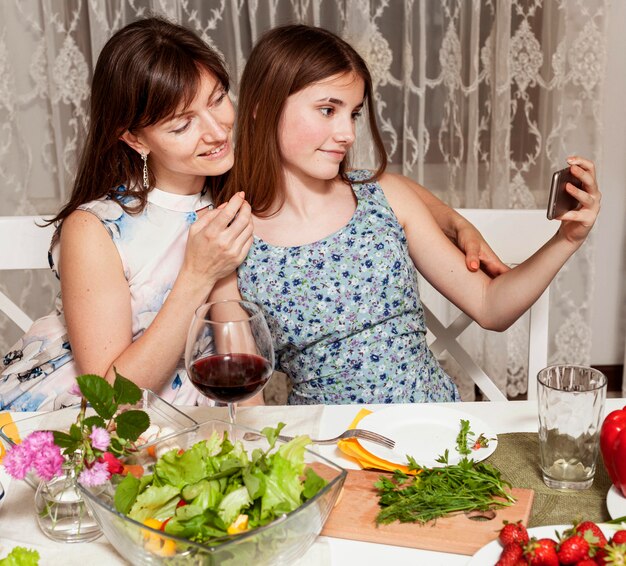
x: 23, y: 245
x: 514, y: 235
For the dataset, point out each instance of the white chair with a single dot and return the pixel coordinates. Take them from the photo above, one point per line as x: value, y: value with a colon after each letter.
x: 514, y: 235
x: 23, y: 245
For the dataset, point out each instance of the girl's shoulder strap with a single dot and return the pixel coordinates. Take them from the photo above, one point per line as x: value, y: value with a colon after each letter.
x: 366, y: 188
x: 359, y: 176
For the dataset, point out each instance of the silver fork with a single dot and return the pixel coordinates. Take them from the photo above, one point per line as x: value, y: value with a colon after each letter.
x: 351, y: 433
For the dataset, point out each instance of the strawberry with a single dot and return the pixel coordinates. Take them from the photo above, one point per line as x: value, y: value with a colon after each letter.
x: 548, y: 541
x: 511, y: 554
x: 509, y: 560
x: 598, y: 538
x: 600, y: 556
x: 587, y: 562
x: 513, y: 532
x: 573, y: 549
x: 619, y: 537
x: 614, y: 554
x: 541, y: 553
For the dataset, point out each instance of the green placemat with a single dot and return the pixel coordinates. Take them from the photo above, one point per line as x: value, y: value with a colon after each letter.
x: 517, y: 457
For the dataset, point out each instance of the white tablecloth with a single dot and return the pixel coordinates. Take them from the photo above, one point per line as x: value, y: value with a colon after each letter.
x: 18, y: 525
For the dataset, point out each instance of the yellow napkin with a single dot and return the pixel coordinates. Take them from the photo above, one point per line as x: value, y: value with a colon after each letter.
x: 11, y: 431
x: 351, y: 447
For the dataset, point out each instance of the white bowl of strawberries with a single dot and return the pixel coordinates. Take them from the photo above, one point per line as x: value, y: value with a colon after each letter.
x: 581, y: 544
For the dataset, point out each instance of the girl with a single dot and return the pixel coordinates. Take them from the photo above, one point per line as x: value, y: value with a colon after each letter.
x: 137, y: 249
x: 335, y: 252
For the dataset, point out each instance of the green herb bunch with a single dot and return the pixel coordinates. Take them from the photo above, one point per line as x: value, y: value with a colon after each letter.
x: 436, y: 492
x: 440, y: 491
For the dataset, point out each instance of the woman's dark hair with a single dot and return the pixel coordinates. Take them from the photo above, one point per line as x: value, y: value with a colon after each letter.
x: 144, y: 73
x: 284, y: 61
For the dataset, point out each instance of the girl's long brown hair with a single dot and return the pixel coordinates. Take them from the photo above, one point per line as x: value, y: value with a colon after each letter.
x: 144, y: 73
x: 284, y: 61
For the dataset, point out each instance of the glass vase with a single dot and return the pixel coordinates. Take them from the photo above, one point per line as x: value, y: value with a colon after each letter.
x: 61, y: 512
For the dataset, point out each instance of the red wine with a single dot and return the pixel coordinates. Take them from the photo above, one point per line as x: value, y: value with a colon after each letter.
x: 230, y: 377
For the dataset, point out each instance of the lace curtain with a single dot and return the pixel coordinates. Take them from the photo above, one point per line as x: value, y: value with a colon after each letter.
x: 477, y: 100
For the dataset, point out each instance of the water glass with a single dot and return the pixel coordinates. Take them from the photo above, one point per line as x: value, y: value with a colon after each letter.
x: 571, y: 405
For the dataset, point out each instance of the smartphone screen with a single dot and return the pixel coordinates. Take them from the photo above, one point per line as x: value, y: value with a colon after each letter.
x: 560, y: 201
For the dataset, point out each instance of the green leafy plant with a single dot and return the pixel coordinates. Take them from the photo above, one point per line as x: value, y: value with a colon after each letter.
x: 92, y: 446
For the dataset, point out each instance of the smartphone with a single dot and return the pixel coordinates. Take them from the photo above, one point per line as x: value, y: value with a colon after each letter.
x: 560, y: 201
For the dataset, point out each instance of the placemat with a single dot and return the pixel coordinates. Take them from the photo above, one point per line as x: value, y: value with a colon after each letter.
x: 517, y: 458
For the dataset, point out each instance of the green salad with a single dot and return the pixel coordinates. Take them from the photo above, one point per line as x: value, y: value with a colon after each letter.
x: 215, y: 488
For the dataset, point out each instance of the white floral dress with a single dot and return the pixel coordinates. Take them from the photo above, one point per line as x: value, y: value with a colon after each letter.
x: 38, y: 372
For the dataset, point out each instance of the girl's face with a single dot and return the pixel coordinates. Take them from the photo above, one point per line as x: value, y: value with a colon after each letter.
x: 195, y: 143
x: 317, y: 127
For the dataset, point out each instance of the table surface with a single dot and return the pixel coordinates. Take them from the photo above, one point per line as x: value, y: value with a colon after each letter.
x: 515, y: 416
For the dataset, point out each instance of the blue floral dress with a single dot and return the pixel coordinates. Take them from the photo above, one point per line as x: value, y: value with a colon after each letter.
x: 344, y: 312
x: 39, y: 371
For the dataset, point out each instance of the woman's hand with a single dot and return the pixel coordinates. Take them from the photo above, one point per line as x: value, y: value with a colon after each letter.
x: 459, y: 230
x: 576, y: 224
x: 219, y: 241
x: 477, y: 251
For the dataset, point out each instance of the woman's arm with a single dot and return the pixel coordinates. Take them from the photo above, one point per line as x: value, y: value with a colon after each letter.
x: 460, y: 231
x: 96, y: 296
x: 493, y: 303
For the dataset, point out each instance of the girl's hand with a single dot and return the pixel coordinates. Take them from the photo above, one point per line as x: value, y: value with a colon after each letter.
x: 219, y: 241
x: 576, y: 224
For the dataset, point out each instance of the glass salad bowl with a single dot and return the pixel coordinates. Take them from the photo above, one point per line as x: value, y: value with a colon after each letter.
x: 165, y: 420
x: 145, y: 541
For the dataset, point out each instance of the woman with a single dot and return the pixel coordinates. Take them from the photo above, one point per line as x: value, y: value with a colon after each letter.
x: 335, y: 253
x: 137, y: 249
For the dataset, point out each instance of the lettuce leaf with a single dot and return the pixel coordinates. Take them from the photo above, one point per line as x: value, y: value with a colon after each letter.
x: 158, y: 502
x: 21, y: 556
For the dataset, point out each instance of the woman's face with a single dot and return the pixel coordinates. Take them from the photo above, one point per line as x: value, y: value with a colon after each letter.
x: 317, y: 126
x: 195, y: 143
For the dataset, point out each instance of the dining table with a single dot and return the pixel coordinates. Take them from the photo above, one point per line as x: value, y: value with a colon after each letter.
x: 18, y: 526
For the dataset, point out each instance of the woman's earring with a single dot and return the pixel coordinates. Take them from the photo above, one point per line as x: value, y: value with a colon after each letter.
x: 145, y: 170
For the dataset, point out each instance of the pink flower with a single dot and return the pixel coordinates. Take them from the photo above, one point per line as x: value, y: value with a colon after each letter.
x: 49, y: 462
x: 75, y: 390
x: 113, y: 464
x: 96, y: 475
x: 36, y: 451
x: 100, y: 438
x: 18, y: 461
x: 37, y: 441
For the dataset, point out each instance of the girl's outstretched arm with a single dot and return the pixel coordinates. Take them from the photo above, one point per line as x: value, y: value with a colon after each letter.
x: 461, y: 231
x: 493, y: 303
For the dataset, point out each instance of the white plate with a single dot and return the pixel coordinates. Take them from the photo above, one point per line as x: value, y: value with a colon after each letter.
x: 423, y: 431
x: 490, y: 553
x: 615, y: 503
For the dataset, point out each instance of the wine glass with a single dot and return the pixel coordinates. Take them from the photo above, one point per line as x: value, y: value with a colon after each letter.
x: 229, y: 354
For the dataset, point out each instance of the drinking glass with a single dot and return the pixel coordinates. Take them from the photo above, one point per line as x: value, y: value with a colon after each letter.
x: 229, y: 354
x: 571, y: 404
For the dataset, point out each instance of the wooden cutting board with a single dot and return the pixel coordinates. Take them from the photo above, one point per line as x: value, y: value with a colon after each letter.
x: 354, y: 514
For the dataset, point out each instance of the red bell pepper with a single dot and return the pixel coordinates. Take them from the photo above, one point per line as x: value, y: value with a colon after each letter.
x: 613, y: 447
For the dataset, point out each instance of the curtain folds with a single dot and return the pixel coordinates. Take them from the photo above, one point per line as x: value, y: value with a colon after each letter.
x: 477, y: 100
